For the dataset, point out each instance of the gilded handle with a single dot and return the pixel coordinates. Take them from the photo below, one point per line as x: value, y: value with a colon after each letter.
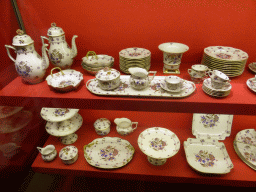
x: 91, y: 53
x: 57, y: 68
x: 8, y: 51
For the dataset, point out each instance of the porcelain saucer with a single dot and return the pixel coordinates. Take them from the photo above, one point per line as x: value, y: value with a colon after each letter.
x: 250, y: 83
x: 164, y: 86
x: 252, y: 68
x: 57, y: 114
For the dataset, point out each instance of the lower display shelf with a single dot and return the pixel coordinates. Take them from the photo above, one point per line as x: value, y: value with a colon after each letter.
x: 175, y: 170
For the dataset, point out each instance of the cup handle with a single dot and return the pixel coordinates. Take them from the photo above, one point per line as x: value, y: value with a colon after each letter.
x: 189, y: 71
x: 209, y: 73
x: 153, y: 76
x: 136, y: 124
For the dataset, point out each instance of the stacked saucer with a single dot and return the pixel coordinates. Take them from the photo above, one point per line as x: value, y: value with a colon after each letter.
x: 134, y: 57
x: 252, y: 67
x: 63, y: 123
x: 208, y: 89
x: 228, y: 60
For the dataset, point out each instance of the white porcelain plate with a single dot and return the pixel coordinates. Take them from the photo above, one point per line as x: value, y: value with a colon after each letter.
x: 211, y: 126
x: 64, y: 128
x: 245, y: 146
x: 57, y: 114
x: 158, y: 142
x: 207, y: 156
x: 134, y: 53
x: 154, y: 90
x: 251, y: 83
x: 108, y: 152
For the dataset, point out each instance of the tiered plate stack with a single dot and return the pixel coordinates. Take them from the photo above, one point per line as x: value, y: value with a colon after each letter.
x: 228, y: 60
x: 62, y: 123
x: 134, y: 57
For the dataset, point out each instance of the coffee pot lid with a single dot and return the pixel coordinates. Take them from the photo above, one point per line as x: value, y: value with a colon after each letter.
x: 55, y: 31
x: 21, y: 39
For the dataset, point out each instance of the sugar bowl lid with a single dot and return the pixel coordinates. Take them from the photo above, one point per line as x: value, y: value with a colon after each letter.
x: 68, y: 152
x: 21, y: 39
x: 107, y: 74
x: 54, y: 30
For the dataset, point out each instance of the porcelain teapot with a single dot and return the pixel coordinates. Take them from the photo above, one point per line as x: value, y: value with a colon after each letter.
x: 30, y: 66
x: 48, y: 152
x: 140, y: 77
x: 125, y: 126
x: 60, y: 54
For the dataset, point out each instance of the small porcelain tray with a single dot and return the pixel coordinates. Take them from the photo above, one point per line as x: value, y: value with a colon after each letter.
x: 211, y: 126
x: 108, y: 152
x: 57, y: 114
x: 67, y: 127
x: 207, y: 156
x: 154, y: 90
x: 245, y: 146
x: 65, y: 80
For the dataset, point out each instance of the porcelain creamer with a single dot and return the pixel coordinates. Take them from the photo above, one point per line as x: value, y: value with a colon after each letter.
x: 125, y: 126
x: 48, y: 153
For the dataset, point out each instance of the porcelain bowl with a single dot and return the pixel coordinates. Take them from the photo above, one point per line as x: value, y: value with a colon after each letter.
x: 68, y: 154
x: 108, y: 78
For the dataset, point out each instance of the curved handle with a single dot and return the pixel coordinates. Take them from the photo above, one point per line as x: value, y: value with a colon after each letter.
x: 8, y: 51
x: 153, y: 76
x: 57, y: 68
x: 84, y: 147
x: 189, y: 71
x: 210, y: 73
x: 39, y: 149
x: 43, y: 37
x: 91, y: 53
x: 136, y: 124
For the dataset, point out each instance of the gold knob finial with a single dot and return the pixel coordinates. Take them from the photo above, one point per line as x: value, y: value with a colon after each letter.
x: 20, y: 32
x: 53, y: 24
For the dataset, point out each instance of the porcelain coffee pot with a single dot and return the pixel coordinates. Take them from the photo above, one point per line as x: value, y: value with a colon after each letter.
x: 30, y: 66
x: 60, y: 54
x: 140, y: 77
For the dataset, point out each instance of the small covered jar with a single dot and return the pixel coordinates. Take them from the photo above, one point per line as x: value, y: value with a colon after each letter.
x: 68, y: 154
x: 108, y: 78
x: 102, y: 126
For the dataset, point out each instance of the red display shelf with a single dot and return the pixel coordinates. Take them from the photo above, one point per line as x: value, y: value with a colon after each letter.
x: 241, y: 100
x: 176, y: 169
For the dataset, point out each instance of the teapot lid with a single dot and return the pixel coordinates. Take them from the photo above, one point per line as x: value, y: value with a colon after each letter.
x: 21, y: 39
x: 55, y: 31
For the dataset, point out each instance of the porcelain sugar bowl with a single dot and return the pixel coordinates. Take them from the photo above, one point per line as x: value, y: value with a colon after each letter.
x: 48, y: 153
x: 108, y: 78
x: 60, y: 54
x: 158, y: 144
x: 68, y: 154
x: 30, y: 66
x: 140, y: 77
x: 102, y: 126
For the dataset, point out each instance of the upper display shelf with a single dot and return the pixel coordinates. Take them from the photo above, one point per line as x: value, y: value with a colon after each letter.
x: 241, y: 99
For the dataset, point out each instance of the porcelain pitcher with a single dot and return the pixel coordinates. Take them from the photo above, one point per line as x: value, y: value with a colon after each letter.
x: 30, y: 66
x: 140, y: 77
x: 48, y: 152
x: 60, y: 54
x: 125, y: 126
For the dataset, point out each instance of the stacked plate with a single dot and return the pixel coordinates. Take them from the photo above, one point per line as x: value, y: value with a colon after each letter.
x: 134, y: 57
x: 208, y: 89
x: 228, y: 60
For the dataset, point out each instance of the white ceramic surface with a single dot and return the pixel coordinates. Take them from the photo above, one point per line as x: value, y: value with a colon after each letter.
x: 207, y: 156
x: 102, y: 126
x: 252, y: 67
x: 57, y: 114
x: 108, y: 152
x: 125, y: 126
x: 208, y: 89
x: 65, y: 80
x: 134, y: 53
x: 165, y: 87
x: 245, y: 146
x: 108, y: 78
x: 158, y: 143
x: 174, y: 83
x: 95, y: 61
x: 48, y: 153
x: 68, y: 154
x: 251, y: 83
x: 154, y: 90
x: 173, y: 47
x: 211, y: 126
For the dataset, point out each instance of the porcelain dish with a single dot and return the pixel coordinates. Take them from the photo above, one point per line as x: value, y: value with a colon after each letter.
x: 108, y: 152
x: 68, y: 154
x: 252, y: 67
x: 57, y: 114
x: 154, y: 89
x: 211, y: 126
x: 15, y: 122
x: 228, y: 60
x: 65, y: 80
x: 207, y: 156
x: 158, y: 143
x: 245, y: 146
x: 251, y: 83
x: 208, y: 89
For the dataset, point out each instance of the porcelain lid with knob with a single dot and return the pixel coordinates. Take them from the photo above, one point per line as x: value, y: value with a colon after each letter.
x: 21, y: 39
x: 68, y: 152
x: 107, y: 74
x: 55, y: 31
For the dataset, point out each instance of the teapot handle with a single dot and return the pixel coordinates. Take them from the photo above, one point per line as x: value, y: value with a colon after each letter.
x: 43, y: 37
x: 8, y: 51
x: 153, y: 76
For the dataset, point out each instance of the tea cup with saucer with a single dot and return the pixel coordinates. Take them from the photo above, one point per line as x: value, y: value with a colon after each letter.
x: 198, y: 72
x: 174, y: 83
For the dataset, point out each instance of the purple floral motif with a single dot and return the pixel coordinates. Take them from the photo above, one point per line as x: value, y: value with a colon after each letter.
x: 250, y: 156
x: 61, y: 112
x: 209, y: 120
x: 205, y: 159
x: 223, y: 56
x: 109, y: 153
x: 158, y: 144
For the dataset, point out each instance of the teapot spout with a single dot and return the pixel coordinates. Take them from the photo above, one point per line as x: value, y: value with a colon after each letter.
x: 74, y: 48
x: 45, y: 62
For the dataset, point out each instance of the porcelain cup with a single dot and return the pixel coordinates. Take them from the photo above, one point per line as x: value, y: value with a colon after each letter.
x: 174, y: 82
x: 218, y: 76
x: 198, y: 71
